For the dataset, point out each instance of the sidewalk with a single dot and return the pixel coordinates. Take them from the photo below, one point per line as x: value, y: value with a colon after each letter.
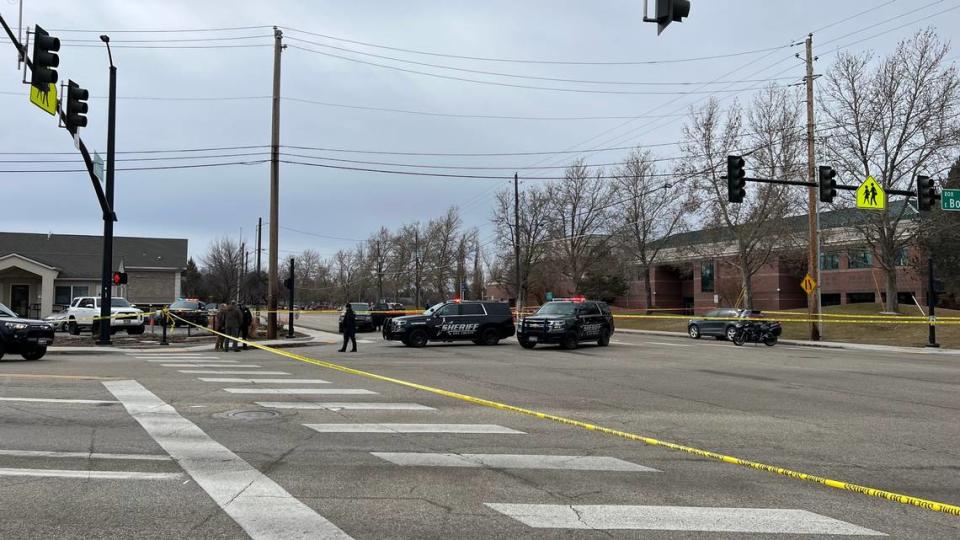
x: 821, y: 344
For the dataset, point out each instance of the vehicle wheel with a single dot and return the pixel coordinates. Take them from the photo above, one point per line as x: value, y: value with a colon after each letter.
x: 770, y: 341
x: 694, y: 331
x: 488, y: 336
x: 135, y: 331
x: 569, y: 342
x: 417, y: 338
x: 33, y: 354
x: 527, y: 344
x: 739, y: 338
x: 730, y: 332
x: 604, y: 339
x: 72, y: 328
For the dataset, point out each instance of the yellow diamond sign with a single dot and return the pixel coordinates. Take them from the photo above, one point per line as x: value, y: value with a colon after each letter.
x: 871, y: 196
x: 808, y: 284
x: 45, y: 100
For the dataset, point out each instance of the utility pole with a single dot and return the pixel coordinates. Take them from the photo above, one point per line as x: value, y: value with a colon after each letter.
x: 516, y: 243
x: 106, y: 275
x: 290, y: 302
x: 416, y: 263
x: 931, y: 305
x: 272, y: 288
x: 477, y: 294
x: 379, y: 273
x: 240, y: 269
x: 813, y: 218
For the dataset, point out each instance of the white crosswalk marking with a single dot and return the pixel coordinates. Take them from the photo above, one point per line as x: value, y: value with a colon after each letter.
x: 299, y: 391
x: 58, y: 400
x: 356, y: 405
x: 512, y: 461
x: 175, y: 357
x: 88, y: 475
x: 212, y: 365
x: 82, y: 455
x: 413, y: 428
x: 191, y: 361
x: 262, y: 381
x: 230, y: 372
x: 678, y: 518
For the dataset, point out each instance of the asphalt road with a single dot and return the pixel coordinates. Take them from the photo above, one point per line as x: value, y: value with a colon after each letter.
x: 222, y: 445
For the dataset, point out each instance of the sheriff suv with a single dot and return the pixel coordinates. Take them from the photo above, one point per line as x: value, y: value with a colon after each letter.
x: 484, y: 323
x: 23, y: 336
x: 568, y: 322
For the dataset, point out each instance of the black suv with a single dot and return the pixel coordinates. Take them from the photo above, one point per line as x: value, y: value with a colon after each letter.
x: 484, y: 323
x: 24, y: 336
x: 190, y: 310
x: 567, y: 322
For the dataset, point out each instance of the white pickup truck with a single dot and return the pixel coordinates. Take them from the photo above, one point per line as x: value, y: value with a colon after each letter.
x: 84, y: 313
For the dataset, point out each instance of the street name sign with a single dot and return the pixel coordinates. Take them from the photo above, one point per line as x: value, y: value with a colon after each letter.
x: 950, y: 200
x: 808, y: 284
x: 871, y: 196
x: 45, y: 100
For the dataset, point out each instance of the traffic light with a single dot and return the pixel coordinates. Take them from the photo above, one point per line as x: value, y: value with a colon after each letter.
x: 828, y: 184
x: 119, y: 278
x: 669, y: 11
x: 736, y: 179
x: 926, y: 193
x: 76, y: 106
x: 45, y: 59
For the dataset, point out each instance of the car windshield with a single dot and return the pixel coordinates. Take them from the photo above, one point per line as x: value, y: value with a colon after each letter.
x: 183, y: 304
x: 557, y: 308
x: 360, y: 306
x: 433, y: 308
x: 6, y: 313
x: 119, y: 302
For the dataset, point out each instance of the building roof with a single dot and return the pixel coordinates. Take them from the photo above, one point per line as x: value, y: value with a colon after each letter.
x: 833, y: 219
x: 79, y: 256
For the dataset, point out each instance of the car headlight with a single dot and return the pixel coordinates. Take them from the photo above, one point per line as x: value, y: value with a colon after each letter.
x: 16, y: 326
x: 558, y: 324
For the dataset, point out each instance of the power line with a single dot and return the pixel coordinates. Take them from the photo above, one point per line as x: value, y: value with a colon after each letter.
x: 155, y: 168
x: 156, y: 30
x: 175, y: 40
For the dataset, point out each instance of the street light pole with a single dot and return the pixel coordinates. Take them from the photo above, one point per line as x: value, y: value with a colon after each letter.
x: 106, y: 277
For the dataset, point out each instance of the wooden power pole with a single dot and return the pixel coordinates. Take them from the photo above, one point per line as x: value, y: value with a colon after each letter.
x: 272, y: 285
x: 813, y: 218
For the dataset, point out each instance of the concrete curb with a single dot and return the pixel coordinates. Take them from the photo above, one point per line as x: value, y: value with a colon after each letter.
x: 820, y: 344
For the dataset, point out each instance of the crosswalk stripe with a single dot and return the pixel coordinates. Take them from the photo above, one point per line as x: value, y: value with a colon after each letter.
x: 82, y: 455
x: 413, y: 428
x: 212, y: 365
x: 191, y: 361
x: 512, y: 461
x: 89, y: 475
x: 299, y: 391
x: 262, y: 381
x: 356, y: 405
x: 175, y: 357
x: 678, y: 518
x: 57, y: 400
x: 231, y: 372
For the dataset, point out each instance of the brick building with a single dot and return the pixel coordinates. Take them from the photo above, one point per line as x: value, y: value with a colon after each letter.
x: 40, y: 273
x: 685, y: 279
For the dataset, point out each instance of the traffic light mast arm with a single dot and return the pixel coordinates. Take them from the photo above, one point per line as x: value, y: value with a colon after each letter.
x: 903, y: 192
x: 16, y: 43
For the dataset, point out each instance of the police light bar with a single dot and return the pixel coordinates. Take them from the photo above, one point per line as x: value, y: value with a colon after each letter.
x: 571, y: 299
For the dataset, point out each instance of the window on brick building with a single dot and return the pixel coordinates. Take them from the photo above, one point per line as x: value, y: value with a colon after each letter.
x: 830, y: 299
x: 861, y: 298
x: 902, y: 257
x: 861, y: 259
x: 829, y: 261
x: 707, y: 277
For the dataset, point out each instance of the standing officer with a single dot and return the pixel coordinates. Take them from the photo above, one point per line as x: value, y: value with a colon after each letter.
x: 349, y: 329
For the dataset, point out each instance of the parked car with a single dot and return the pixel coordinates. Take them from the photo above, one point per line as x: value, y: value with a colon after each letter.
x: 484, y: 323
x: 722, y: 323
x: 25, y: 337
x: 191, y: 310
x: 567, y: 322
x: 58, y: 321
x: 364, y: 317
x: 84, y: 313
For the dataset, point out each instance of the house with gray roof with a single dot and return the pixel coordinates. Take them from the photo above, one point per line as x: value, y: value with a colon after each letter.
x: 41, y: 273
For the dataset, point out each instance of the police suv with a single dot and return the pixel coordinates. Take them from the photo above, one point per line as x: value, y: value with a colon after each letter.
x: 484, y: 323
x: 567, y: 321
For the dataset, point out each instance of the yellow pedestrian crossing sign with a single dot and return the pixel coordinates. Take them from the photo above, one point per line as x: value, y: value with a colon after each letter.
x: 45, y: 100
x: 871, y: 196
x: 808, y: 284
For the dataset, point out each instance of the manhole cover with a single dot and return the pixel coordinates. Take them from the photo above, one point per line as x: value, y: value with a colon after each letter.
x: 252, y: 415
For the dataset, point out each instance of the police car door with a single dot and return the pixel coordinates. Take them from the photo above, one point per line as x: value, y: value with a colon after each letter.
x: 443, y: 321
x: 590, y: 320
x: 472, y: 315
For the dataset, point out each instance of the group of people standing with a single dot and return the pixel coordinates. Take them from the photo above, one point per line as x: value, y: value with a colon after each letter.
x: 234, y: 320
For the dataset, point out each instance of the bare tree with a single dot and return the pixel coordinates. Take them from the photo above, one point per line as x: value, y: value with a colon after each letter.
x: 222, y: 264
x: 534, y: 212
x: 440, y: 250
x: 892, y: 120
x: 647, y: 212
x: 378, y: 246
x: 578, y: 218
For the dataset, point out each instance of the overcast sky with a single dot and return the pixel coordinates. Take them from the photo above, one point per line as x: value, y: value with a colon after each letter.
x: 201, y: 204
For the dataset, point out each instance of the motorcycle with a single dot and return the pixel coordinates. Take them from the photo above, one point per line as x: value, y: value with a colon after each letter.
x: 756, y: 332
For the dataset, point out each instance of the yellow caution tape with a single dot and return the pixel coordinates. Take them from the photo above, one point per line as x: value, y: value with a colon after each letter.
x: 846, y: 486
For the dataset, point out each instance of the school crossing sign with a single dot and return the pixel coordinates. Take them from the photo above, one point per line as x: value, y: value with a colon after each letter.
x: 871, y: 196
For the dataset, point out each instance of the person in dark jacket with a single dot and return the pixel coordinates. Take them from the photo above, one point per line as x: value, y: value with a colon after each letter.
x: 233, y: 319
x: 245, y: 327
x: 349, y: 329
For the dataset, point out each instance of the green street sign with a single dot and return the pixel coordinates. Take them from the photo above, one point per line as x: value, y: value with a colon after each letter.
x: 549, y: 296
x: 950, y: 200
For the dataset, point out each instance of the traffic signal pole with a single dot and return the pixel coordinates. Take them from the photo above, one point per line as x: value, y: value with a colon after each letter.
x: 813, y: 217
x: 272, y: 285
x: 106, y: 278
x: 516, y: 244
